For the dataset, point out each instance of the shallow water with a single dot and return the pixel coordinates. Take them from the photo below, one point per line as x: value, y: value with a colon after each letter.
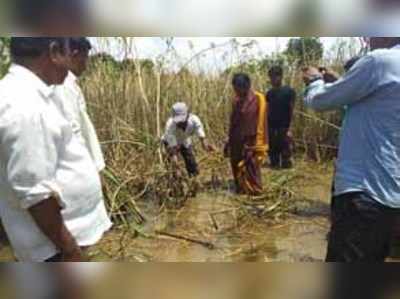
x: 211, y: 218
x: 297, y: 237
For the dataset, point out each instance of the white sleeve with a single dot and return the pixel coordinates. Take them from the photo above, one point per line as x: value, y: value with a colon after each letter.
x: 170, y: 134
x: 92, y: 141
x: 199, y: 127
x: 89, y: 133
x: 30, y: 155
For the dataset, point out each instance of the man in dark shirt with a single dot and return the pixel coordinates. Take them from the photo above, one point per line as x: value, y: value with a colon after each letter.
x: 281, y: 101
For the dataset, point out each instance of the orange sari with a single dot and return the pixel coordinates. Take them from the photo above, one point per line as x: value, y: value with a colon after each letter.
x: 250, y: 149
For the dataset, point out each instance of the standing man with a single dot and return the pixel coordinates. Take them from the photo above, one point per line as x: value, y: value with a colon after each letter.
x: 180, y: 129
x: 248, y: 136
x: 367, y: 184
x: 281, y: 101
x: 72, y: 101
x: 52, y: 202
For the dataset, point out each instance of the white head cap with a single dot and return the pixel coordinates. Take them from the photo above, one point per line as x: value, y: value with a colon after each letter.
x: 180, y: 112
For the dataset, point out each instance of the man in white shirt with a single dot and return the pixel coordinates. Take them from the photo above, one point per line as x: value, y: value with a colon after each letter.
x: 52, y: 202
x: 72, y: 101
x: 180, y: 129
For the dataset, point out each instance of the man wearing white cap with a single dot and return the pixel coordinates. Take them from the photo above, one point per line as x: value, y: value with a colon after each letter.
x: 180, y: 129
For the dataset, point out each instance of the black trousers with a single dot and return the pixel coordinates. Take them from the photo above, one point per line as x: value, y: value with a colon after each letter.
x: 188, y: 156
x: 361, y: 230
x: 190, y: 161
x: 280, y: 151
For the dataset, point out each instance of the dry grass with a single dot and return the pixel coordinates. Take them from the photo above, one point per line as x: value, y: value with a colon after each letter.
x: 130, y: 105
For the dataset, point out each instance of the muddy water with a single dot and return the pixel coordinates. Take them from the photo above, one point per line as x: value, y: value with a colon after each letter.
x: 212, y: 219
x: 294, y: 239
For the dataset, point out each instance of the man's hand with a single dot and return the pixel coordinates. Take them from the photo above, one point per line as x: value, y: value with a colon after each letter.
x: 175, y: 162
x: 47, y: 215
x: 174, y: 156
x: 330, y: 76
x: 310, y: 74
x: 71, y: 252
x: 73, y: 256
x: 207, y: 147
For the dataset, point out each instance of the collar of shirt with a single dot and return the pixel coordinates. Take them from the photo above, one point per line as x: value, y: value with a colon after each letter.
x: 26, y: 74
x: 72, y: 77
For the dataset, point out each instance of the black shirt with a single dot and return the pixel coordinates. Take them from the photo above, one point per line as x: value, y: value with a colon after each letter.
x: 280, y: 103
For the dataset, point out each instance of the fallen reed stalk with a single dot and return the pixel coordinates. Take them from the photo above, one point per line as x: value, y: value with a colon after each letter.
x: 130, y: 101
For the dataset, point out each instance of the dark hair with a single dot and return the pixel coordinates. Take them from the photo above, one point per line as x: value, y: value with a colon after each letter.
x: 241, y: 81
x: 276, y: 71
x: 81, y: 44
x: 33, y: 47
x: 350, y: 63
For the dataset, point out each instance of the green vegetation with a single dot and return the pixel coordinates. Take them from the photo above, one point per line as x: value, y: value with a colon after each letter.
x: 130, y: 102
x: 305, y: 50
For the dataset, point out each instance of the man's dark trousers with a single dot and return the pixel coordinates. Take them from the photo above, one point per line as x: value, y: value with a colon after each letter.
x: 280, y: 151
x: 361, y: 230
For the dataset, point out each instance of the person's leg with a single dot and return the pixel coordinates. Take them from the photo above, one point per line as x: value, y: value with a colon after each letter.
x: 286, y: 149
x: 361, y: 230
x: 254, y: 177
x: 190, y: 161
x: 274, y: 155
x: 235, y: 170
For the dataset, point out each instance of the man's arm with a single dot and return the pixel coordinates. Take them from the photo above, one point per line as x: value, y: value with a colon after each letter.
x: 30, y: 152
x: 207, y: 146
x: 201, y: 133
x: 360, y: 82
x: 47, y: 215
x: 169, y: 138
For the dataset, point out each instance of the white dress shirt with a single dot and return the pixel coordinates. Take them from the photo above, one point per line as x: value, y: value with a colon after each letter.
x: 73, y: 105
x: 176, y: 137
x: 40, y: 156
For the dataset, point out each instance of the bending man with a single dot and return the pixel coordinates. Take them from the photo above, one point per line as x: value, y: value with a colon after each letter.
x: 180, y: 129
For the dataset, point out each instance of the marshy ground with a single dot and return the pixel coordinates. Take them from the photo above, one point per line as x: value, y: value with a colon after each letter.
x: 221, y: 226
x: 290, y: 224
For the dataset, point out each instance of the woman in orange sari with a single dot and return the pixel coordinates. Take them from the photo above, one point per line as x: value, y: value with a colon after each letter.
x: 247, y: 145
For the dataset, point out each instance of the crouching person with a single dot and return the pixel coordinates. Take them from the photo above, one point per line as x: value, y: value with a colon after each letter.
x: 180, y: 129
